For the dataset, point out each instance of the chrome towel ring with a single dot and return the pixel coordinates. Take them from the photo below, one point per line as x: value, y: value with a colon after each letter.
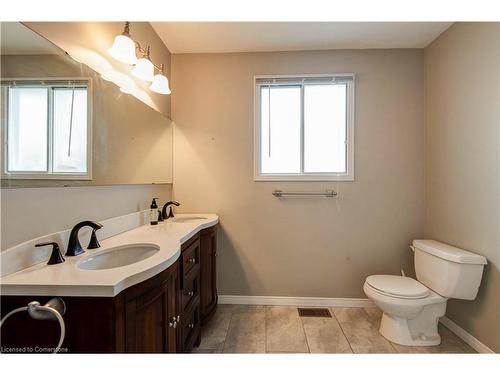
x: 52, y: 310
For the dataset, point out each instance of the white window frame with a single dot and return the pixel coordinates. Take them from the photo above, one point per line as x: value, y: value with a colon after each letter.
x: 49, y: 175
x: 349, y: 78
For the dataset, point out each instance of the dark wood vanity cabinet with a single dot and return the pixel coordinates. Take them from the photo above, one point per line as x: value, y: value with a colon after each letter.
x: 162, y: 314
x: 138, y: 320
x: 208, y: 273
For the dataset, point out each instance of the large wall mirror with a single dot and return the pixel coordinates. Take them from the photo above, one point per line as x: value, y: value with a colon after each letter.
x: 64, y: 125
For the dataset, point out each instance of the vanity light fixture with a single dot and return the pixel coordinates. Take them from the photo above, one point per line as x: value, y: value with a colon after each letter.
x: 124, y: 50
x: 160, y: 83
x: 144, y: 69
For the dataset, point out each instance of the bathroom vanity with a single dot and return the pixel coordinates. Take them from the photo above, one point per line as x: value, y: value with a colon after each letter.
x: 110, y: 310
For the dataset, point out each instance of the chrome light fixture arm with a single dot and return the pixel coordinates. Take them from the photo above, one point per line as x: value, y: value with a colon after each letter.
x: 146, y: 52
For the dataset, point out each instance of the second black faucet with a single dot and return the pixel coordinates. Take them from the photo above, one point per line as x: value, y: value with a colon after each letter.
x: 171, y: 211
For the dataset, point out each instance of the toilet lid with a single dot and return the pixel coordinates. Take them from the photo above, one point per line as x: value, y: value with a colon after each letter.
x: 398, y: 286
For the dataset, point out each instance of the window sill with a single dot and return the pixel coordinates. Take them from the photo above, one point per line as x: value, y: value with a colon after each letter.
x: 46, y: 177
x: 316, y: 178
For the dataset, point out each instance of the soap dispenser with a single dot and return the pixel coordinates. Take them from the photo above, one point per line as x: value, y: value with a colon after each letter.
x: 153, y: 213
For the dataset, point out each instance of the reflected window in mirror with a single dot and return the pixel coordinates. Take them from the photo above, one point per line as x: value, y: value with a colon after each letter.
x: 46, y: 130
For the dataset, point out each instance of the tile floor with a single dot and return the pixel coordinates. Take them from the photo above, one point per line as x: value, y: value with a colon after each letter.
x: 279, y: 329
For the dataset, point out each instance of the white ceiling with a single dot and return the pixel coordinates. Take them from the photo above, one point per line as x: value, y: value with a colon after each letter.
x: 17, y: 39
x: 205, y: 37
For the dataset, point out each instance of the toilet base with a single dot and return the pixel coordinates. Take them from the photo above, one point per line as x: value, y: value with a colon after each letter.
x: 397, y: 330
x: 420, y: 331
x: 410, y: 322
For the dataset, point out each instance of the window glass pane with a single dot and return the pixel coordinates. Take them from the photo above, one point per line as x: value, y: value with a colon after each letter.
x: 280, y: 129
x: 70, y: 130
x: 27, y: 129
x: 325, y: 119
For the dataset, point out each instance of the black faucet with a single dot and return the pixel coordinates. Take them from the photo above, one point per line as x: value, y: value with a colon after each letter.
x: 171, y: 212
x: 74, y: 246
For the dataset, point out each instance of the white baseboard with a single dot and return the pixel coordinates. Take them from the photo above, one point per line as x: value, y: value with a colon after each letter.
x: 295, y: 301
x: 464, y: 335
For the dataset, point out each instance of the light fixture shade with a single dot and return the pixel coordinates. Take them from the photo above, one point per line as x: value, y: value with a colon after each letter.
x: 123, y: 50
x: 144, y: 69
x: 160, y: 85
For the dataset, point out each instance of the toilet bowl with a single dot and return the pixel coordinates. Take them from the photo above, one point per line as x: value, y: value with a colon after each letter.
x: 412, y: 308
x: 408, y: 318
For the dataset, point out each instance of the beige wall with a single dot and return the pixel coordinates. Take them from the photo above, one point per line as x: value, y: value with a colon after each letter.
x: 32, y: 212
x: 462, y: 101
x: 305, y: 246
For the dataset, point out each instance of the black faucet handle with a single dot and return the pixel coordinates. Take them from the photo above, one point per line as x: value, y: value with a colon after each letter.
x: 54, y: 244
x: 56, y: 256
x: 94, y: 242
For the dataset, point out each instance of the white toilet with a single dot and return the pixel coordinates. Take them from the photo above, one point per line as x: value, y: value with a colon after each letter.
x: 412, y: 308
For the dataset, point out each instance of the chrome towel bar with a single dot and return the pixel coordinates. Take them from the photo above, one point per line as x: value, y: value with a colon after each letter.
x: 327, y: 193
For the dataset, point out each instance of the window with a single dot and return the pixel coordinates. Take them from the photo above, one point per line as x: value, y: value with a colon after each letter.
x: 304, y: 128
x: 46, y: 130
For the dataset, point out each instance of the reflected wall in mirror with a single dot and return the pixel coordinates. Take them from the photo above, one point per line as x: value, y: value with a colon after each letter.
x: 64, y: 125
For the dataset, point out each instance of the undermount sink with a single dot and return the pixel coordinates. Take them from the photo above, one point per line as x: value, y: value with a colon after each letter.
x: 185, y: 219
x: 118, y: 257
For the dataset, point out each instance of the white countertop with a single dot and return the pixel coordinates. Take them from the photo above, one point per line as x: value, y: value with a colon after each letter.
x: 66, y: 279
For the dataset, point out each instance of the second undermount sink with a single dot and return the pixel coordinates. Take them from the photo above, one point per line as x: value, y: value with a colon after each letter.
x: 118, y: 257
x: 185, y: 219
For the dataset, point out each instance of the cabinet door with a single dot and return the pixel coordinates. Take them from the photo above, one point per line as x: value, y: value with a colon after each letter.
x: 151, y: 317
x: 146, y: 328
x: 208, y: 272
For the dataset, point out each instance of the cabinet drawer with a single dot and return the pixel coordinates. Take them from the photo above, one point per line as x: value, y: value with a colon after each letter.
x: 190, y: 328
x: 190, y: 292
x: 190, y: 261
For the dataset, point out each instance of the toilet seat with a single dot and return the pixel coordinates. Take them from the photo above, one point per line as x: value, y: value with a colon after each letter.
x: 398, y: 286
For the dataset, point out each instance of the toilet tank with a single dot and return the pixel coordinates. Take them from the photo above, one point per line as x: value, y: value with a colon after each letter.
x: 449, y: 271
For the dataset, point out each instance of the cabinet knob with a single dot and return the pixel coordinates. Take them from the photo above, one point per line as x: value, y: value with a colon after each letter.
x: 191, y: 325
x: 173, y: 322
x: 191, y: 260
x: 190, y: 293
